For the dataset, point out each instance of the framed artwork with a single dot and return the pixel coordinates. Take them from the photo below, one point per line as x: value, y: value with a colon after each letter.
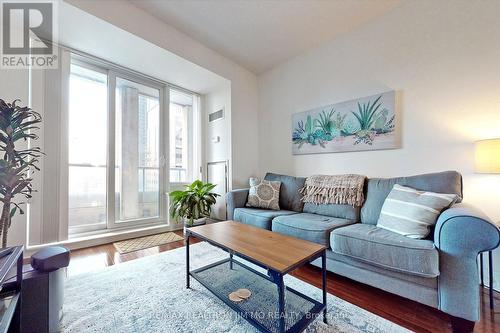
x: 366, y: 123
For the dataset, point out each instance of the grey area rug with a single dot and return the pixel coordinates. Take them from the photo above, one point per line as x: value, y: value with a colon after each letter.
x: 149, y: 295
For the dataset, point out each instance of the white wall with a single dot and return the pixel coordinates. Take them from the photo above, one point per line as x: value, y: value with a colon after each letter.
x: 243, y: 83
x: 442, y: 56
x: 214, y: 101
x: 221, y: 150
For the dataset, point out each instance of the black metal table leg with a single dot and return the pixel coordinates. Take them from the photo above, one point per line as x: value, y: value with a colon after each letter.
x: 490, y: 268
x: 231, y: 260
x: 281, y: 302
x: 187, y: 261
x: 323, y: 267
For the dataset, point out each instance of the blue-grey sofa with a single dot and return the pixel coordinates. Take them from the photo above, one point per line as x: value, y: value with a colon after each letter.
x: 440, y: 271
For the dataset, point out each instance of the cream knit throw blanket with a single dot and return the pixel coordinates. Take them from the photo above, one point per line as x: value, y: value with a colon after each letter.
x: 341, y: 189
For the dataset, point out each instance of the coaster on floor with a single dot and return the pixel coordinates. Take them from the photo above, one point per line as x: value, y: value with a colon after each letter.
x: 243, y: 293
x: 234, y: 297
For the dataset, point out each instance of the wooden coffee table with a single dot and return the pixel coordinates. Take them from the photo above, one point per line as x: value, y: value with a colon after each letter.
x: 273, y: 307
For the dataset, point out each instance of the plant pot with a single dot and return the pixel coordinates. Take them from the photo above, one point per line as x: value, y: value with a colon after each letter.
x: 197, y: 222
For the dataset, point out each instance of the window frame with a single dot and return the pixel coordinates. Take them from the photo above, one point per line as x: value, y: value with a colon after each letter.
x: 73, y: 230
x: 193, y: 159
x: 163, y: 216
x: 113, y: 71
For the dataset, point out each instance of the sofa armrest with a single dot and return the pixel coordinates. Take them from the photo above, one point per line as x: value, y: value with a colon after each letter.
x: 235, y: 199
x: 461, y: 233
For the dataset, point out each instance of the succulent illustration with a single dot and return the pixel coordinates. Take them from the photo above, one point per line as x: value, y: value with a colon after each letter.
x: 325, y: 122
x: 366, y: 113
x: 364, y: 136
x: 339, y: 121
x: 380, y: 120
x: 388, y: 126
x: 299, y: 131
x: 350, y: 127
x: 307, y: 133
x: 364, y: 124
x: 303, y: 133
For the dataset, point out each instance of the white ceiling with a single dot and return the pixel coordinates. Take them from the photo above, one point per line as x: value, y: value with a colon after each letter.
x: 259, y: 34
x: 104, y: 40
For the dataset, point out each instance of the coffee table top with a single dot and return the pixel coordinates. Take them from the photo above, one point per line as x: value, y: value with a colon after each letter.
x: 275, y: 251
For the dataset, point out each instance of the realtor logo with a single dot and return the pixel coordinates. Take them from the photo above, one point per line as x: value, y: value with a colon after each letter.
x: 28, y: 29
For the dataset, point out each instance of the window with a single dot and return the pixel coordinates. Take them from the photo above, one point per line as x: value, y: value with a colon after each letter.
x: 119, y: 165
x: 181, y: 117
x: 137, y: 162
x: 88, y: 153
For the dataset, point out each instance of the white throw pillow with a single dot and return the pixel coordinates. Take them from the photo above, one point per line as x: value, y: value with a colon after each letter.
x: 411, y: 213
x: 265, y: 194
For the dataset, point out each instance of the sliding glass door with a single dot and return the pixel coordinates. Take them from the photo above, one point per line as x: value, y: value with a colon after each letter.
x: 137, y: 151
x: 131, y: 139
x: 87, y: 153
x: 116, y: 149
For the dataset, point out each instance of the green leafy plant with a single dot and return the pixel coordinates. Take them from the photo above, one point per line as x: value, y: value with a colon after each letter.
x: 366, y: 114
x: 194, y: 202
x: 16, y: 124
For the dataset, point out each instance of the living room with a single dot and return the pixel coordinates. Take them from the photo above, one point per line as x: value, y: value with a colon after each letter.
x: 250, y: 166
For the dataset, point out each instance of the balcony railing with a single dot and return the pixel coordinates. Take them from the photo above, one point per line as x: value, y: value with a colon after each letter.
x: 177, y: 175
x: 89, y: 206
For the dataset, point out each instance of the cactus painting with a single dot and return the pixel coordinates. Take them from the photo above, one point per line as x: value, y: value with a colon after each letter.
x: 366, y: 123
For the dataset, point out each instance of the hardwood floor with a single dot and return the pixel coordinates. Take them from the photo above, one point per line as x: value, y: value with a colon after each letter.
x: 412, y: 315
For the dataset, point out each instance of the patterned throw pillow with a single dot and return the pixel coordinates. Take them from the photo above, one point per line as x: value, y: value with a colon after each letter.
x: 412, y: 213
x: 265, y: 194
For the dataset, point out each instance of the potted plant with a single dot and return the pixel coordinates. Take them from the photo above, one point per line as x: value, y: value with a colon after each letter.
x: 17, y: 163
x: 193, y: 204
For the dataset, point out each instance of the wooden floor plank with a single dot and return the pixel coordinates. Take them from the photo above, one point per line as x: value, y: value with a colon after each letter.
x: 412, y: 315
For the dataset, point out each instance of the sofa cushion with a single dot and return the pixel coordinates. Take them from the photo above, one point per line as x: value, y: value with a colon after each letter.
x: 382, y: 272
x: 377, y: 189
x: 412, y: 213
x: 258, y: 217
x: 311, y: 227
x: 289, y: 192
x: 386, y: 249
x: 265, y: 195
x: 342, y: 211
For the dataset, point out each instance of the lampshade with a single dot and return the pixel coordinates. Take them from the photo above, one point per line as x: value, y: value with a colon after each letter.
x: 488, y: 156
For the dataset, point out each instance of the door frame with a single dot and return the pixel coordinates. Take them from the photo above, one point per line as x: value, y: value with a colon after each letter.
x: 111, y: 222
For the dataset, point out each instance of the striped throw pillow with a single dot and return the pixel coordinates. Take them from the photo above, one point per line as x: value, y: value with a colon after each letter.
x: 411, y: 213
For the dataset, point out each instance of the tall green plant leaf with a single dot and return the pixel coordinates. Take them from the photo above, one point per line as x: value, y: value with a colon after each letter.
x: 16, y: 123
